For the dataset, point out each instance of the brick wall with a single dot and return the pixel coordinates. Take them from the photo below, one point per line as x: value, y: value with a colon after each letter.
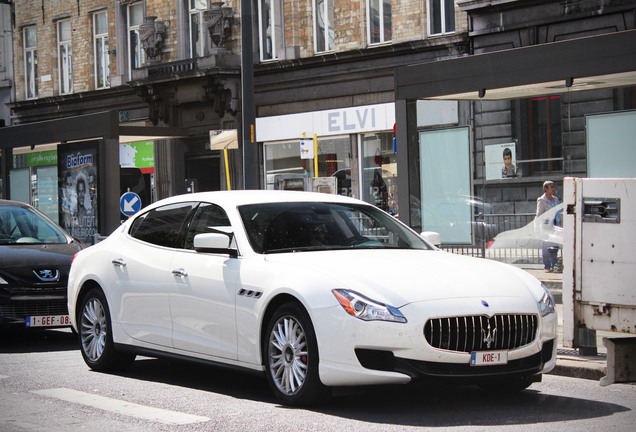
x: 409, y: 22
x: 30, y: 12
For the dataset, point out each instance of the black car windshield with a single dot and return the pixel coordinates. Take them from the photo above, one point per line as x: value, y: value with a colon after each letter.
x: 19, y: 225
x: 310, y: 226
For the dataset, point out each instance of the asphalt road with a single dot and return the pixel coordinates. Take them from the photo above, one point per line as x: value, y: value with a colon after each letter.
x: 45, y: 386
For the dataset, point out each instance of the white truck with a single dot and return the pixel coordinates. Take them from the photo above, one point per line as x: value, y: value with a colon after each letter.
x: 599, y: 268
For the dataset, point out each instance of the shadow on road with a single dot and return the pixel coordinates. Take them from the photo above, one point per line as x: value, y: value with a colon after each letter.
x: 28, y: 340
x: 238, y: 384
x: 463, y: 405
x: 412, y: 405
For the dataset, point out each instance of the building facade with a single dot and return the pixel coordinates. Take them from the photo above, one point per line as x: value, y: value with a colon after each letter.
x: 118, y: 95
x: 410, y: 105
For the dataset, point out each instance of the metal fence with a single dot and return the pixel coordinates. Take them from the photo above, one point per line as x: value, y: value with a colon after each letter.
x: 487, y: 227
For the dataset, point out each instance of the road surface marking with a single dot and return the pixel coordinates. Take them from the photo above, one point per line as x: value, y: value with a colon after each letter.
x: 121, y: 407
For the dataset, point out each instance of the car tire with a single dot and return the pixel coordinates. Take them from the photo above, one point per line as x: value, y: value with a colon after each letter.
x: 96, y: 337
x: 290, y: 353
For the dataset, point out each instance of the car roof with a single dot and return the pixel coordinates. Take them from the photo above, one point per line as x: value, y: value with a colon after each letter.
x: 243, y: 197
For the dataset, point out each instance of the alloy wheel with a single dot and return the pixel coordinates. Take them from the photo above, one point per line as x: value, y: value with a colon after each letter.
x: 287, y: 355
x: 93, y: 329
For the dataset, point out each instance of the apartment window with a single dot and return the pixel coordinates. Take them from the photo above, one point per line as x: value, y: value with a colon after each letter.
x: 30, y: 62
x: 64, y: 56
x: 441, y: 16
x: 198, y: 35
x: 136, y: 55
x: 101, y: 50
x: 379, y: 21
x: 270, y: 28
x: 544, y: 148
x: 323, y: 25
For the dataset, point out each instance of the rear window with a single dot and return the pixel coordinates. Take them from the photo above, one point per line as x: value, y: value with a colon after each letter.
x: 163, y: 226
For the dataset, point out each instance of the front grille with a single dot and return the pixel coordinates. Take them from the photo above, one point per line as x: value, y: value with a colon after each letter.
x: 479, y: 333
x: 24, y: 309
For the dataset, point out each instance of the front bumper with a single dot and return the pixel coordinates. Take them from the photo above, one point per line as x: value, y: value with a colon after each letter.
x: 15, y: 309
x: 355, y: 352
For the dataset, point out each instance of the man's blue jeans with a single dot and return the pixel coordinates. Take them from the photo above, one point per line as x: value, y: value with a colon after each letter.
x: 549, y: 252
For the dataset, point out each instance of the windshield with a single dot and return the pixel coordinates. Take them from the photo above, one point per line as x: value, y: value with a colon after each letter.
x: 310, y: 226
x: 19, y: 225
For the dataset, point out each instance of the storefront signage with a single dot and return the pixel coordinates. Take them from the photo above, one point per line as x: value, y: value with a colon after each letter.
x: 351, y: 120
x: 363, y: 119
x: 41, y: 158
x: 138, y: 155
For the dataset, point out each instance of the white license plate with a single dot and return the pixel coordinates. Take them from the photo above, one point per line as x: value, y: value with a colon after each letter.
x: 487, y: 358
x: 48, y: 321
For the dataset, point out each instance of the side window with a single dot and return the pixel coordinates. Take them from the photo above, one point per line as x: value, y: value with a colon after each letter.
x: 163, y: 226
x: 209, y: 218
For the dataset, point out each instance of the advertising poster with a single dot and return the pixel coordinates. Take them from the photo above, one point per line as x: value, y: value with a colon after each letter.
x: 77, y: 179
x: 501, y: 161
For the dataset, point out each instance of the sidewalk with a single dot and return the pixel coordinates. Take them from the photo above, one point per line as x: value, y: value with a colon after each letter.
x: 569, y: 361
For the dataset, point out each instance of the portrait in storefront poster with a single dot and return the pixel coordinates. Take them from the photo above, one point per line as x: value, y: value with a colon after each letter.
x: 79, y: 199
x: 501, y: 161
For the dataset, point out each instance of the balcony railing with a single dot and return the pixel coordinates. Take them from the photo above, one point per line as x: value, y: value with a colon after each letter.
x: 172, y: 68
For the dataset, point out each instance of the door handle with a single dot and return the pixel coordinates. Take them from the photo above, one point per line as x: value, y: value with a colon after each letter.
x: 180, y: 272
x: 119, y: 262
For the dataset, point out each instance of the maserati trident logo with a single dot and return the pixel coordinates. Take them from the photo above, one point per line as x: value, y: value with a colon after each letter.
x: 489, y: 336
x: 47, y: 275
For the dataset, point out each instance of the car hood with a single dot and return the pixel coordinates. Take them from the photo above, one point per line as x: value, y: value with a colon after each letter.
x: 400, y: 277
x: 19, y: 264
x: 19, y: 255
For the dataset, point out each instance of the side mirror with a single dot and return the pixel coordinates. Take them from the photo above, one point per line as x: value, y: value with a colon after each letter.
x: 214, y: 243
x: 432, y: 237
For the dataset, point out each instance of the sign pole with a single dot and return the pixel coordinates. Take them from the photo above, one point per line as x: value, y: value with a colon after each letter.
x: 315, y: 155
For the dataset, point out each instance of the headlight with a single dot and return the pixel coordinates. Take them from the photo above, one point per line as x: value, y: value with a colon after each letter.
x: 546, y: 304
x: 359, y: 306
x: 3, y: 282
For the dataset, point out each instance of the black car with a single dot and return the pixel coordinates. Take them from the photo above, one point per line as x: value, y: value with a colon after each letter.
x: 35, y: 257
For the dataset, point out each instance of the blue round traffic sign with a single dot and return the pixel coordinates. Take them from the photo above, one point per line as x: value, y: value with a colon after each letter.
x: 129, y: 203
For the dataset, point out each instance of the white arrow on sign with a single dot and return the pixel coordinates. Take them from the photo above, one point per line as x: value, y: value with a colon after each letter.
x: 128, y: 205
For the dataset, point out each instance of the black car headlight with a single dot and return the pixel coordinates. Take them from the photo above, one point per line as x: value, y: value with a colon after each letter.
x: 359, y: 306
x: 546, y: 304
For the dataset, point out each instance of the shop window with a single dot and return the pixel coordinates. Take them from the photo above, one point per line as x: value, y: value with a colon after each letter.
x: 323, y: 25
x: 29, y: 38
x: 197, y: 31
x: 283, y: 163
x: 101, y: 50
x: 543, y: 147
x: 64, y: 56
x: 379, y: 171
x: 441, y: 17
x: 379, y: 21
x: 270, y: 26
x: 135, y: 17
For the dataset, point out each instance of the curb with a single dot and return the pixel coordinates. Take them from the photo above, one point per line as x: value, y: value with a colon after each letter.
x: 575, y: 368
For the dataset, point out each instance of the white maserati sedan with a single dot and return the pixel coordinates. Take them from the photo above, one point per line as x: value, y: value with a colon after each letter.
x: 313, y: 290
